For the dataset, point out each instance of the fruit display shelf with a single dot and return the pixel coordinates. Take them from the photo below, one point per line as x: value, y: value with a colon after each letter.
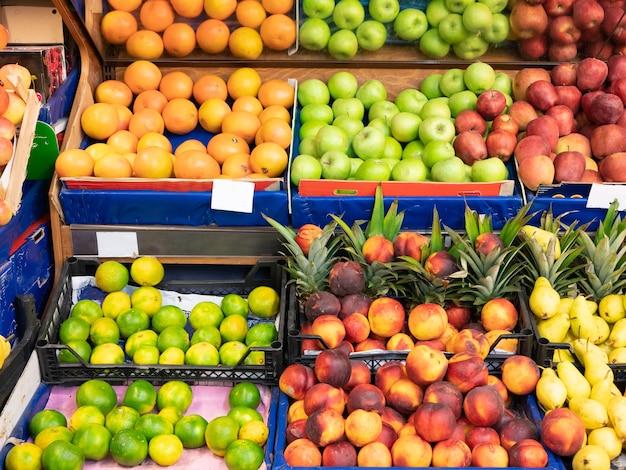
x: 182, y: 281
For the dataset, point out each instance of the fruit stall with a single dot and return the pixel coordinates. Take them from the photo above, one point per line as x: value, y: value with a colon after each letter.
x: 302, y: 234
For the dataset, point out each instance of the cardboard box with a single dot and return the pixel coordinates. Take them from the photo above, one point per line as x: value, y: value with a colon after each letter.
x: 32, y: 24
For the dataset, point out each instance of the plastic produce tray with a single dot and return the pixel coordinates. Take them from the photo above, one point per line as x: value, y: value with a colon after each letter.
x: 217, y: 280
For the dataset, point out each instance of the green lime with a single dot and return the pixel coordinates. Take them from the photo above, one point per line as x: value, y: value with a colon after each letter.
x: 234, y: 304
x: 107, y: 353
x: 264, y: 302
x: 98, y: 393
x: 80, y: 347
x: 73, y: 329
x: 255, y: 357
x: 23, y: 456
x: 141, y: 396
x: 207, y: 333
x: 45, y: 419
x: 104, y: 330
x: 264, y: 333
x: 173, y: 336
x: 244, y: 454
x: 121, y: 417
x: 111, y: 276
x: 151, y: 425
x: 171, y: 413
x: 175, y: 393
x: 172, y: 356
x: 243, y: 414
x: 147, y: 271
x: 132, y: 321
x: 244, y: 394
x: 202, y: 354
x: 168, y: 315
x: 234, y: 328
x: 84, y: 415
x: 129, y: 448
x: 190, y: 429
x: 87, y: 309
x: 93, y: 440
x: 146, y: 354
x: 165, y: 449
x: 205, y: 313
x: 51, y: 434
x: 231, y: 352
x: 62, y: 455
x: 219, y: 433
x: 140, y: 338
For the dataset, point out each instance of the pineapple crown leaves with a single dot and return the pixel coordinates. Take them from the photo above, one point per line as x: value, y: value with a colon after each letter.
x: 384, y: 224
x: 605, y: 265
x: 612, y: 224
x: 435, y: 243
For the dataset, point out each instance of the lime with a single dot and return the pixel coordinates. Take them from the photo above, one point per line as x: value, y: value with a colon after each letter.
x: 244, y: 414
x: 146, y: 354
x: 168, y: 315
x: 244, y: 394
x: 93, y: 440
x: 111, y: 276
x: 207, y: 333
x: 175, y: 393
x: 202, y: 354
x: 151, y: 425
x: 73, y: 329
x: 141, y: 396
x: 131, y: 321
x: 231, y: 352
x: 45, y: 419
x: 234, y: 304
x: 121, y: 417
x: 107, y: 353
x: 87, y: 414
x: 51, y: 434
x: 24, y: 456
x: 146, y: 298
x: 262, y: 333
x: 87, y: 309
x: 147, y: 271
x: 255, y: 357
x: 205, y: 313
x: 128, y: 447
x: 81, y: 348
x: 173, y: 336
x: 219, y: 433
x: 254, y: 430
x: 171, y: 413
x: 244, y: 454
x: 140, y: 338
x: 172, y: 356
x: 104, y: 330
x: 190, y: 429
x: 165, y: 449
x: 98, y: 393
x: 62, y: 455
x: 115, y: 303
x: 234, y: 328
x: 264, y: 302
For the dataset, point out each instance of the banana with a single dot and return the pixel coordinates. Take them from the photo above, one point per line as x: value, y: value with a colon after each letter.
x: 550, y: 390
x: 592, y: 412
x: 546, y: 240
x: 616, y: 411
x: 591, y: 457
x: 574, y: 380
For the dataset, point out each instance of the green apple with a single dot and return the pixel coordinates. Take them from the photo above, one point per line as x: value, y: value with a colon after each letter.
x: 330, y: 137
x: 380, y: 123
x: 348, y: 14
x: 436, y: 107
x: 318, y: 8
x: 410, y: 24
x: 479, y: 76
x: 436, y: 150
x: 375, y: 169
x: 336, y: 165
x: 312, y: 90
x: 384, y: 109
x: 305, y: 167
x: 451, y: 28
x: 352, y: 107
x: 309, y: 129
x: 499, y: 31
x: 307, y: 146
x: 430, y: 85
x: 355, y: 163
x: 465, y: 99
x: 450, y: 170
x: 436, y: 10
x: 342, y: 84
x: 437, y: 128
x: 316, y: 112
x: 411, y: 100
x: 343, y: 44
x: 452, y: 82
x: 405, y: 126
x: 489, y: 169
x: 477, y: 18
x: 369, y: 143
x: 432, y: 45
x: 458, y: 6
x: 384, y: 11
x: 314, y: 34
x: 409, y: 170
x: 496, y: 6
x: 370, y: 92
x: 502, y: 82
x: 393, y: 148
x: 349, y: 124
x: 412, y: 150
x: 472, y: 47
x: 371, y: 35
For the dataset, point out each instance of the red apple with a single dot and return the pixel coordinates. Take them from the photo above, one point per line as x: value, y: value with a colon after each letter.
x: 570, y: 96
x: 569, y: 166
x: 527, y: 20
x: 614, y: 24
x: 601, y: 49
x: 533, y: 48
x: 618, y: 87
x: 564, y: 117
x: 470, y: 120
x: 506, y: 123
x: 558, y: 7
x: 7, y: 128
x: 522, y: 112
x: 617, y: 68
x: 470, y: 146
x: 547, y: 127
x: 490, y: 103
x: 587, y: 14
x: 607, y: 139
x: 606, y: 108
x: 501, y: 144
x: 592, y: 73
x: 524, y: 77
x: 564, y: 73
x: 531, y: 145
x: 563, y: 30
x: 562, y: 52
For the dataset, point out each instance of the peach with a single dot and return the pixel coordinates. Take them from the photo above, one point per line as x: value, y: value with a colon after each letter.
x: 359, y: 374
x: 468, y: 340
x: 354, y: 303
x: 441, y: 264
x: 339, y: 454
x: 330, y: 329
x: 411, y: 451
x: 507, y: 416
x: 308, y: 342
x: 404, y: 395
x: 400, y: 342
x: 305, y: 236
x: 482, y: 435
x: 388, y: 435
x: 407, y: 429
x: 296, y: 411
x: 388, y: 373
x: 434, y: 421
x: 333, y: 366
x: 321, y: 303
x: 6, y: 213
x: 295, y: 430
x: 377, y: 248
x: 345, y: 278
x: 520, y: 374
x: 528, y: 454
x: 295, y: 380
x: 357, y: 328
x: 483, y: 405
x: 386, y: 316
x: 436, y: 343
x: 393, y: 418
x: 490, y: 455
x: 458, y: 315
x: 486, y: 242
x: 499, y: 314
x: 6, y: 150
x: 516, y: 430
x: 363, y: 427
x: 371, y: 344
x: 427, y: 321
x: 302, y: 453
x: 426, y: 365
x: 446, y: 393
x: 467, y: 371
x: 366, y: 397
x: 322, y: 395
x: 374, y: 454
x: 451, y: 453
x: 325, y: 427
x: 497, y: 383
x: 409, y: 244
x: 562, y: 432
x: 502, y: 341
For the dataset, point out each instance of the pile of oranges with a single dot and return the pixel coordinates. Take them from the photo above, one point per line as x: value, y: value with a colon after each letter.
x: 147, y: 30
x: 248, y: 118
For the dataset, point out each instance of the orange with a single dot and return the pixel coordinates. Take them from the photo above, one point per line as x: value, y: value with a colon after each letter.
x: 179, y: 39
x: 278, y: 32
x: 212, y: 36
x: 244, y: 414
x: 248, y: 103
x: 99, y: 121
x: 196, y: 164
x: 99, y: 149
x: 171, y: 413
x: 245, y: 81
x: 189, y: 144
x: 176, y: 84
x: 180, y: 116
x: 104, y: 330
x: 245, y: 43
x: 74, y: 162
x: 269, y: 159
x: 244, y: 394
x: 153, y: 99
x: 188, y: 8
x: 233, y: 328
x: 147, y: 298
x: 275, y: 130
x: 211, y: 114
x: 72, y: 329
x: 277, y: 6
x: 241, y: 123
x: 153, y: 162
x: 152, y: 425
x: 250, y: 13
x: 123, y: 141
x: 236, y: 165
x: 156, y: 15
x: 146, y: 120
x: 131, y: 321
x: 53, y: 433
x: 209, y: 86
x: 83, y: 415
x: 117, y: 26
x: 98, y: 393
x: 107, y: 353
x: 125, y: 5
x: 111, y: 276
x: 4, y: 36
x: 145, y: 44
x: 113, y: 165
x: 202, y: 353
x: 220, y: 9
x: 115, y: 303
x: 168, y: 315
x: 147, y: 270
x: 142, y: 75
x: 119, y: 418
x: 154, y: 139
x: 275, y: 111
x: 124, y: 113
x: 276, y: 91
x: 224, y: 144
x: 113, y: 91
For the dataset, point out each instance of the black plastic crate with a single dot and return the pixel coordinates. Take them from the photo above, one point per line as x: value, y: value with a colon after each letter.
x: 295, y: 338
x: 217, y: 280
x: 27, y: 329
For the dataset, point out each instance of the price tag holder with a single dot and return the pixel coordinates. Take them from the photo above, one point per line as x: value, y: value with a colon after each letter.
x: 231, y: 195
x: 117, y: 244
x: 602, y: 195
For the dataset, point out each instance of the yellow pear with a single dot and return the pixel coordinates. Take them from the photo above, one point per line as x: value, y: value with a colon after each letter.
x: 565, y: 304
x: 617, y: 415
x: 611, y: 308
x: 617, y: 338
x: 584, y: 348
x: 604, y: 330
x: 592, y: 412
x: 544, y: 301
x: 591, y: 457
x: 601, y: 391
x: 607, y: 439
x: 547, y: 240
x: 617, y: 355
x: 550, y: 390
x: 582, y: 323
x: 592, y: 306
x: 555, y: 328
x: 574, y: 380
x: 562, y: 355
